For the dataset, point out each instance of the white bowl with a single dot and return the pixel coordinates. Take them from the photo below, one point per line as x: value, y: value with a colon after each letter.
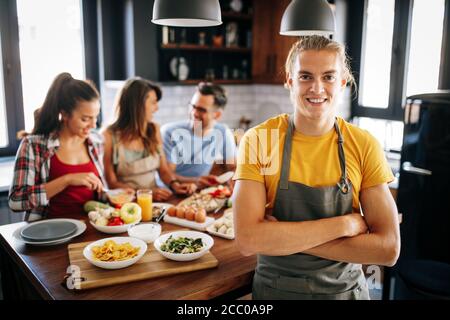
x: 147, y: 232
x: 112, y: 193
x: 208, y: 242
x: 87, y: 253
x: 114, y: 229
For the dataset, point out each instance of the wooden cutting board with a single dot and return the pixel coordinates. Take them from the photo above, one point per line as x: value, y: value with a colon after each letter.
x: 151, y: 265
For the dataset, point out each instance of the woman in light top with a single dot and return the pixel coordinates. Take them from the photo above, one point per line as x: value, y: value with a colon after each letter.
x: 133, y: 146
x: 58, y: 167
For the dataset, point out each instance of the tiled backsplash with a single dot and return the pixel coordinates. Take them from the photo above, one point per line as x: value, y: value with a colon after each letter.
x: 255, y: 102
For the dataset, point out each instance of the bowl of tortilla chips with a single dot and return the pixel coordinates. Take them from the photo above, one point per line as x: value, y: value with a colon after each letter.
x: 115, y: 252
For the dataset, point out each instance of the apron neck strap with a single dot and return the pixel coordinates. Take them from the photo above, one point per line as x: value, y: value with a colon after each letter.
x: 115, y: 147
x: 287, y: 151
x: 286, y: 160
x: 343, y: 182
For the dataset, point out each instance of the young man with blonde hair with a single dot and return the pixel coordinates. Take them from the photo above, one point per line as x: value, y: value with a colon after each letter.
x: 308, y: 183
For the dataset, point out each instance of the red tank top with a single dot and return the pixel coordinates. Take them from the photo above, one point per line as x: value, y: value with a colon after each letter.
x: 70, y: 201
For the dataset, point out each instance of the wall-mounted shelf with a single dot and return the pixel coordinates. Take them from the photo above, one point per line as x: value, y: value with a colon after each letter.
x: 236, y: 15
x: 189, y: 46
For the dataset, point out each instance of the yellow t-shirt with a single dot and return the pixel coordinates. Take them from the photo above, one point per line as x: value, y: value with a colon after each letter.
x: 314, y: 160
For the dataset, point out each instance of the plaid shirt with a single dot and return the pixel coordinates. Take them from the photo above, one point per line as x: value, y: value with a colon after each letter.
x: 32, y: 170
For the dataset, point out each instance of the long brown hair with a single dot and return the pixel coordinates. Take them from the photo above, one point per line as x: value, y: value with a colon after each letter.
x: 62, y: 96
x: 131, y: 122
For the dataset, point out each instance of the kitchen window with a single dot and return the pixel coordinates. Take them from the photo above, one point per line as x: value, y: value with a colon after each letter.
x: 376, y: 65
x: 38, y: 40
x: 397, y: 55
x: 11, y: 111
x: 425, y: 48
x: 388, y: 133
x: 51, y: 42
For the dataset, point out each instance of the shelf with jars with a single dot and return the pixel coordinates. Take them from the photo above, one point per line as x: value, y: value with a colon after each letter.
x: 222, y: 54
x: 202, y: 47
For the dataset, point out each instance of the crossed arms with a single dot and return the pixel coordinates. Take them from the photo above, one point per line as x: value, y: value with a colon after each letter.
x: 372, y: 239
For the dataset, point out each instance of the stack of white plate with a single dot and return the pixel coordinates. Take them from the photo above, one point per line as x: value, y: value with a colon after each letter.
x: 49, y: 232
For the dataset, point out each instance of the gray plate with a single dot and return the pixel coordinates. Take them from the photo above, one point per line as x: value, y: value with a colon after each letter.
x: 48, y: 230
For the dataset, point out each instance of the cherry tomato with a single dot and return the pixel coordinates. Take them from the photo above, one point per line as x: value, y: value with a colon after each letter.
x: 116, y: 221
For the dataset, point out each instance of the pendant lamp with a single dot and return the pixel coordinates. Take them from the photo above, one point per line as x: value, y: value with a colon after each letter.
x: 308, y: 17
x: 187, y: 13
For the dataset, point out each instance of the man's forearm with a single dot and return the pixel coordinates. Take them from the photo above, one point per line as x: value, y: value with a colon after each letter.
x: 186, y: 179
x: 365, y: 249
x: 172, y: 167
x: 285, y: 238
x: 218, y: 169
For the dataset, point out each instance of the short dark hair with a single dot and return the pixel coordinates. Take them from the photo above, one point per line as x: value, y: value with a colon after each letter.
x: 208, y: 88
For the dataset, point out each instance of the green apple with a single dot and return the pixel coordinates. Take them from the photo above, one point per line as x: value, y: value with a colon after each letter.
x: 130, y: 212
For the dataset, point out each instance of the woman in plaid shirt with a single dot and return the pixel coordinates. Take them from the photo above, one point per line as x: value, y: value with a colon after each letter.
x: 58, y: 166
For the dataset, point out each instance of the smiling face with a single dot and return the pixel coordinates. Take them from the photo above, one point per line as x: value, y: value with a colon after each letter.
x: 202, y: 109
x: 82, y: 119
x: 316, y: 82
x: 151, y: 105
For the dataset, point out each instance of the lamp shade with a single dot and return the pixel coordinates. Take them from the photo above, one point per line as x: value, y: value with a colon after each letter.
x: 187, y: 13
x: 307, y: 17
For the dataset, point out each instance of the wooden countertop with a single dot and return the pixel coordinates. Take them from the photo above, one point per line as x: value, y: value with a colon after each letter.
x: 45, y: 268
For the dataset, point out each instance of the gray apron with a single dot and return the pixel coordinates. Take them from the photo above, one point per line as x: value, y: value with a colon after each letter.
x: 303, y: 276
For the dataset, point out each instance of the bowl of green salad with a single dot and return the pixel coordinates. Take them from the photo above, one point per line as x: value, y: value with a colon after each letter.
x: 183, y: 245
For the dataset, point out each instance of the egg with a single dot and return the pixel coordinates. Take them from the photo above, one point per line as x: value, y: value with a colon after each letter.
x: 190, y: 213
x: 181, y: 212
x: 200, y: 215
x: 172, y: 211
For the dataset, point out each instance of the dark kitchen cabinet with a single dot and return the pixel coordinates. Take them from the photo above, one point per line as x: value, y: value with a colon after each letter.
x: 270, y: 49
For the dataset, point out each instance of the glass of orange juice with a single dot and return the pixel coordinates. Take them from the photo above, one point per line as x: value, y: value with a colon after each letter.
x: 145, y: 201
